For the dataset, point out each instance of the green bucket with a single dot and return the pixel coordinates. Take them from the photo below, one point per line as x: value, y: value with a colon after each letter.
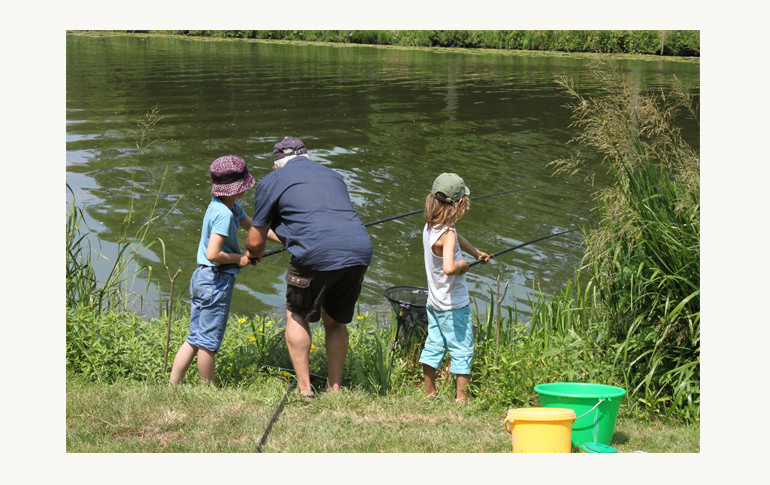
x: 595, y: 405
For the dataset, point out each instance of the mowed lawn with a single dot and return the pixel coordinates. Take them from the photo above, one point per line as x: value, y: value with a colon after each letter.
x: 192, y: 418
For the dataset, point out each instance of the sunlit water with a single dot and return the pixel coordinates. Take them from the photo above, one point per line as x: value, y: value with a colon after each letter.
x: 388, y: 120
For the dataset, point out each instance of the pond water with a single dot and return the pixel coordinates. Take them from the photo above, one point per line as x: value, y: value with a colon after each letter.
x: 389, y: 120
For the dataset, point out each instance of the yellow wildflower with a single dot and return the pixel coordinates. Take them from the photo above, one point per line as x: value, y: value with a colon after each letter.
x: 285, y: 374
x: 313, y: 347
x: 360, y: 317
x: 270, y: 322
x: 251, y: 339
x: 241, y: 320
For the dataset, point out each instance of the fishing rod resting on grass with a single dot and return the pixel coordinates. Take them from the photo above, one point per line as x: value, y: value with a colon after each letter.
x: 279, y: 409
x: 275, y: 415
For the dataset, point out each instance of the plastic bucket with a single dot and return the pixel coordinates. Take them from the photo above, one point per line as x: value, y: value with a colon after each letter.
x: 540, y: 430
x: 595, y: 405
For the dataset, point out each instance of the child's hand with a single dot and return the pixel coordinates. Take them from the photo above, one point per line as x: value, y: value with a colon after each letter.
x: 253, y: 260
x: 244, y: 261
x: 483, y: 257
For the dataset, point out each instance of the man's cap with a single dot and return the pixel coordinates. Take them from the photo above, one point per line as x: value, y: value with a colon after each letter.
x: 288, y: 146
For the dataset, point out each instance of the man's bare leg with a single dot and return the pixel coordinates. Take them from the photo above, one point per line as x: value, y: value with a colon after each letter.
x: 298, y: 341
x: 336, y: 349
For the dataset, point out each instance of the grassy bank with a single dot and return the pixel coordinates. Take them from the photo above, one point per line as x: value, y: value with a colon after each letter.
x: 674, y: 43
x: 191, y: 418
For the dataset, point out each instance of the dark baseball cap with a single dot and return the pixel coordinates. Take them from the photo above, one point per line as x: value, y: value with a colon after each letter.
x: 288, y: 146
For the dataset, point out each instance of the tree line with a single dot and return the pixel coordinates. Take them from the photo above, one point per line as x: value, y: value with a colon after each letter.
x: 652, y: 42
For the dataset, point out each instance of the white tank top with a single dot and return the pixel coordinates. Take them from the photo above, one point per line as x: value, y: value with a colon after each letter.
x: 445, y: 292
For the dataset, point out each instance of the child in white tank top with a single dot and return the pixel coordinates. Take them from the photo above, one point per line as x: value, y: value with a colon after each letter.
x: 450, y: 328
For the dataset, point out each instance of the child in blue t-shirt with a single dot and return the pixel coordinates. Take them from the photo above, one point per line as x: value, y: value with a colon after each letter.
x: 219, y: 259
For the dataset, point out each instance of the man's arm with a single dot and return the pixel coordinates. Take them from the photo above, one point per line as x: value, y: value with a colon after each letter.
x: 255, y: 241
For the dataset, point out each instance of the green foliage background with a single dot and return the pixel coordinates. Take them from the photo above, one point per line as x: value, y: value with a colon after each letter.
x: 653, y: 42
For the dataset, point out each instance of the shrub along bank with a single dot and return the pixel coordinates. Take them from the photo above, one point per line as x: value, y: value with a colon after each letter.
x: 652, y: 42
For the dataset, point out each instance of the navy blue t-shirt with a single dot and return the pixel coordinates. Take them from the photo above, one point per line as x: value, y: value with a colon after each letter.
x: 308, y: 207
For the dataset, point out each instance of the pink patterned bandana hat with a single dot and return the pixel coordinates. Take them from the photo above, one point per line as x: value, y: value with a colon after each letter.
x: 229, y: 176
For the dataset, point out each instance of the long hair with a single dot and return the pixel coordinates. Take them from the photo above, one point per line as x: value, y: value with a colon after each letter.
x: 439, y: 213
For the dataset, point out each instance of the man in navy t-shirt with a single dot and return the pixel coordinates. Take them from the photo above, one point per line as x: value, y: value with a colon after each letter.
x: 308, y: 207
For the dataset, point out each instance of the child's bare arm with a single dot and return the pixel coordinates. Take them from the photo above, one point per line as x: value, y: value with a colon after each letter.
x: 469, y: 248
x: 450, y: 266
x: 271, y: 236
x: 215, y: 254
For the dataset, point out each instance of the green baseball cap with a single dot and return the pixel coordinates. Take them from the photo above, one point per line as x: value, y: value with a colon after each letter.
x: 451, y: 186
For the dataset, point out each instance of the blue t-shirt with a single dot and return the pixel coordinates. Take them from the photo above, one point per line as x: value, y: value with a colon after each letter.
x: 219, y: 219
x: 308, y: 207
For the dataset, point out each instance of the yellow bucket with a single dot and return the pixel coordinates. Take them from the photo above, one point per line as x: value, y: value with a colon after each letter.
x: 540, y: 430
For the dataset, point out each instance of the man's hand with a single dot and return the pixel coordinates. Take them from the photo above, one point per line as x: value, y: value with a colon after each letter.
x: 252, y: 259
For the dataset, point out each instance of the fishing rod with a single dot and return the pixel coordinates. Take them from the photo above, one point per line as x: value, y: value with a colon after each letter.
x: 379, y: 221
x: 494, y: 255
x: 472, y: 198
x: 281, y: 405
x: 275, y: 415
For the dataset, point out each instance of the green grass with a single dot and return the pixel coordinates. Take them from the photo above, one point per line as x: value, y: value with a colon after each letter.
x: 194, y: 418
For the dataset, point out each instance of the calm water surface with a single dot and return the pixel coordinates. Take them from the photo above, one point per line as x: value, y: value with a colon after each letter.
x: 388, y: 120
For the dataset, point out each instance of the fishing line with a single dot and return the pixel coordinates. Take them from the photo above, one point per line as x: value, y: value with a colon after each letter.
x: 522, y: 245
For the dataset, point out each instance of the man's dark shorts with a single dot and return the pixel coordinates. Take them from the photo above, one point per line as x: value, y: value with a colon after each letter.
x: 337, y: 291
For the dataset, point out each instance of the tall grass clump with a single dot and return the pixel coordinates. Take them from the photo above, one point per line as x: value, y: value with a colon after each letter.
x: 560, y: 343
x: 112, y: 291
x: 644, y: 256
x: 371, y: 353
x: 84, y: 288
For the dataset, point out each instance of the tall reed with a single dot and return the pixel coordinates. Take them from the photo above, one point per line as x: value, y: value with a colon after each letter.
x: 113, y: 290
x: 644, y: 257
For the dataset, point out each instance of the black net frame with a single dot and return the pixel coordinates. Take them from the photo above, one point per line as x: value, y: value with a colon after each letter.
x: 408, y: 304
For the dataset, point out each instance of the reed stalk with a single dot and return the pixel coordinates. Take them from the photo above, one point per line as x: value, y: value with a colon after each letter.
x: 644, y: 256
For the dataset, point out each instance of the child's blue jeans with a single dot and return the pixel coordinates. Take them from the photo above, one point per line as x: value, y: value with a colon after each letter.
x: 211, y: 295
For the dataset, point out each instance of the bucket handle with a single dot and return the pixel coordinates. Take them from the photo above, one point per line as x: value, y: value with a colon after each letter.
x: 508, y: 428
x: 595, y: 406
x: 509, y: 419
